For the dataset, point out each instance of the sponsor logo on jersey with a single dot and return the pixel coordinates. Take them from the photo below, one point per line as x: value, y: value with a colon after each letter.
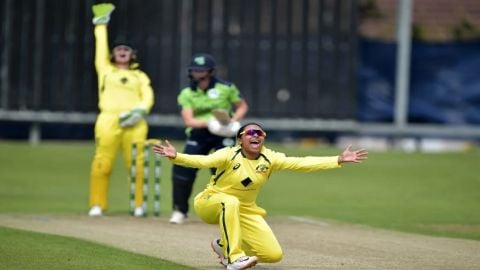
x: 262, y: 168
x: 213, y: 93
x: 124, y: 80
x: 236, y: 166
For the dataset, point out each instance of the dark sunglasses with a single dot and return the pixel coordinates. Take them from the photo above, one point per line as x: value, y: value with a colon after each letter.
x: 252, y: 132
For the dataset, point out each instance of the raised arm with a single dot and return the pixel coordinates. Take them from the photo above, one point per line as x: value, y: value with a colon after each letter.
x: 101, y: 18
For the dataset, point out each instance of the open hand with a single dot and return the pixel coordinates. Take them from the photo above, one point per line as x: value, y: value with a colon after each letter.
x: 166, y: 150
x: 352, y: 156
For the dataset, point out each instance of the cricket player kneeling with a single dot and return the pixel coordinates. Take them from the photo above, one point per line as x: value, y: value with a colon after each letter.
x: 228, y: 130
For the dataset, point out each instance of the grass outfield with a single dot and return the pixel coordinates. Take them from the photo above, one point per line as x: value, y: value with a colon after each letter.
x: 28, y: 250
x: 435, y: 194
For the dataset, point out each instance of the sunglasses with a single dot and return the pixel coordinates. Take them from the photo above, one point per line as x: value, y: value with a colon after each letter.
x: 252, y: 132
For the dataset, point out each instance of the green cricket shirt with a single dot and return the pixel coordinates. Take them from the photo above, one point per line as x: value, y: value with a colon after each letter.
x: 220, y: 95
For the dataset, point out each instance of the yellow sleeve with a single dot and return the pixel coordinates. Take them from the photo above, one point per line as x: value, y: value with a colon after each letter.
x: 304, y: 164
x: 213, y: 160
x: 146, y: 93
x: 102, y: 53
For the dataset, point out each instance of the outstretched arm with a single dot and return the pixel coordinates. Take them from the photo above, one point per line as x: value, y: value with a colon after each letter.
x: 166, y: 150
x: 213, y: 160
x: 352, y: 156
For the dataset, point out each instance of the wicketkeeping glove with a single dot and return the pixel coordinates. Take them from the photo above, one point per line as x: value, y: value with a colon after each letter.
x: 131, y: 118
x: 101, y: 13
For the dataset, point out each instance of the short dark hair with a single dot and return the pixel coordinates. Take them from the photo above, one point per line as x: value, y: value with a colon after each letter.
x: 240, y: 130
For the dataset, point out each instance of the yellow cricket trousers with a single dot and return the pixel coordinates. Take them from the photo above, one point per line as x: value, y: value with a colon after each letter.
x: 109, y: 137
x: 243, y: 230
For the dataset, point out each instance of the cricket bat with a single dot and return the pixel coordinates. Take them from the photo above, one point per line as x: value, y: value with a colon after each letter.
x: 222, y: 116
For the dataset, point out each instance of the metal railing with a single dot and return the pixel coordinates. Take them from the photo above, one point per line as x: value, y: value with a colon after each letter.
x: 274, y: 124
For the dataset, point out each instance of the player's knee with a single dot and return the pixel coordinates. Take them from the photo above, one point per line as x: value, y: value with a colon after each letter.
x: 230, y: 207
x: 101, y: 166
x: 273, y: 255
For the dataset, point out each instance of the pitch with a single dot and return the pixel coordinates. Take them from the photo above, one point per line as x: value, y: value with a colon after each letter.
x: 307, y: 243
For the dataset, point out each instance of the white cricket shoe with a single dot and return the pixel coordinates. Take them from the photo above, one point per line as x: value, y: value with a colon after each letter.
x: 218, y: 250
x: 95, y: 211
x: 243, y: 263
x: 139, y: 212
x: 177, y: 217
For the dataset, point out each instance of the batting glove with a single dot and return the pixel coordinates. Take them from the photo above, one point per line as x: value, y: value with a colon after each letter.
x: 228, y: 130
x: 101, y: 13
x: 131, y: 118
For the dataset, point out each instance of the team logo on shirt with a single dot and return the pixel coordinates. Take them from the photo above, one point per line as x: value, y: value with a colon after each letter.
x: 124, y: 80
x: 262, y: 168
x: 213, y: 93
x: 236, y: 166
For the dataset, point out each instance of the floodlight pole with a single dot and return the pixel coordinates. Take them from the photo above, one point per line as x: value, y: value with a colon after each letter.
x: 402, y: 78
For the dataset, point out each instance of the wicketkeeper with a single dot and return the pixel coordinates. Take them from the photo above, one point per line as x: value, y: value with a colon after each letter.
x: 124, y: 99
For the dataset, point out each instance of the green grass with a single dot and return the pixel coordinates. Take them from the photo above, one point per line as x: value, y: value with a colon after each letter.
x: 54, y: 178
x: 435, y: 194
x: 413, y: 192
x: 28, y: 250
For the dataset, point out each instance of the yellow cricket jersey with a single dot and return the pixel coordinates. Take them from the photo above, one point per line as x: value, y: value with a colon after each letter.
x: 119, y: 90
x: 243, y: 178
